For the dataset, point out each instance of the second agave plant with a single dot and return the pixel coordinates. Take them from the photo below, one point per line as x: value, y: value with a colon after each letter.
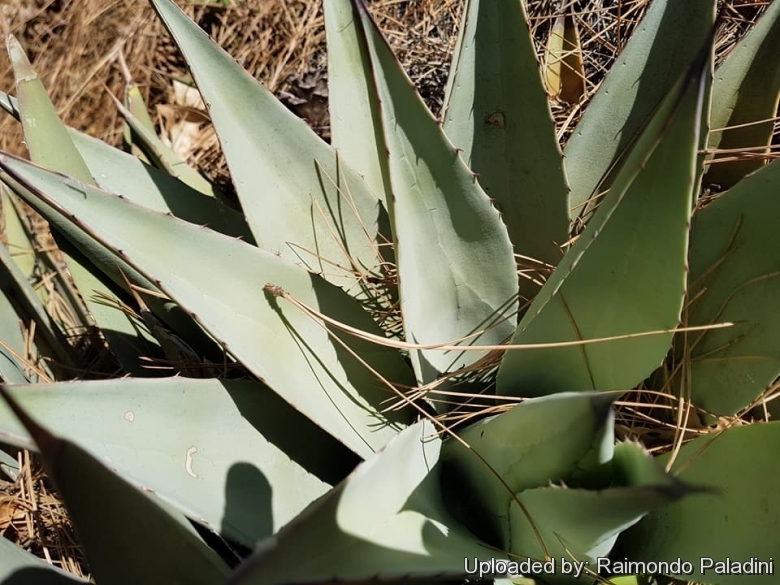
x: 372, y: 387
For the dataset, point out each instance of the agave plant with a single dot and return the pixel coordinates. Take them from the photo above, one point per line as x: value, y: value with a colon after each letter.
x: 535, y: 287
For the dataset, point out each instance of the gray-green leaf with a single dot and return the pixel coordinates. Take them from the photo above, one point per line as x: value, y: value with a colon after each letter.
x: 385, y: 521
x: 496, y: 112
x: 455, y: 262
x: 670, y: 36
x: 626, y: 273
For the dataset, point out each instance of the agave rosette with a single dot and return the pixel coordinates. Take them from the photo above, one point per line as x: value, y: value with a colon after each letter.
x: 331, y: 452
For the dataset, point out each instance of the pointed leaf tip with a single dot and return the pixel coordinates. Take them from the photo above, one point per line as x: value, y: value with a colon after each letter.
x: 23, y: 70
x: 457, y: 274
x: 509, y: 143
x: 636, y: 241
x: 301, y: 200
x: 335, y: 389
x: 563, y: 67
x: 670, y: 36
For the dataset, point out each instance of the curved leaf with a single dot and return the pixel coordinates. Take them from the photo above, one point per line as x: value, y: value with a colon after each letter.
x: 626, y: 274
x: 582, y: 525
x: 18, y: 567
x: 735, y: 276
x: 670, y: 36
x: 745, y: 96
x: 737, y: 522
x: 355, y: 122
x: 123, y: 174
x: 385, y: 521
x: 221, y: 283
x: 539, y: 441
x: 217, y: 450
x: 300, y: 200
x: 171, y: 551
x: 457, y: 275
x: 496, y: 112
x: 49, y: 144
x: 165, y: 157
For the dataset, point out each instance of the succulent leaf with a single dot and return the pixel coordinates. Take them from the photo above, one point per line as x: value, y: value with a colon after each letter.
x: 300, y: 199
x: 583, y: 525
x: 217, y: 450
x: 745, y: 97
x: 626, y: 273
x: 171, y: 551
x: 163, y: 156
x: 737, y: 520
x: 18, y: 264
x: 669, y: 38
x: 355, y: 123
x: 118, y: 172
x: 734, y: 279
x: 106, y: 283
x: 456, y: 269
x: 125, y: 341
x: 135, y: 104
x: 124, y: 174
x: 386, y: 521
x: 496, y: 113
x: 45, y: 135
x: 49, y: 144
x: 220, y: 281
x: 481, y: 217
x: 539, y: 441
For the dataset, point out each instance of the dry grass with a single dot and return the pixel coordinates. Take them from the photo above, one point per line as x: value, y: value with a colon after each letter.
x: 33, y: 516
x: 75, y: 46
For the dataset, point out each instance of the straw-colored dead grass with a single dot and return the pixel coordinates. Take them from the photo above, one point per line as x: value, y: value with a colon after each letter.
x: 32, y: 515
x: 75, y: 47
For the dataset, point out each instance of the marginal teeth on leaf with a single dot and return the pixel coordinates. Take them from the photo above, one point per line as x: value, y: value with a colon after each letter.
x: 374, y: 281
